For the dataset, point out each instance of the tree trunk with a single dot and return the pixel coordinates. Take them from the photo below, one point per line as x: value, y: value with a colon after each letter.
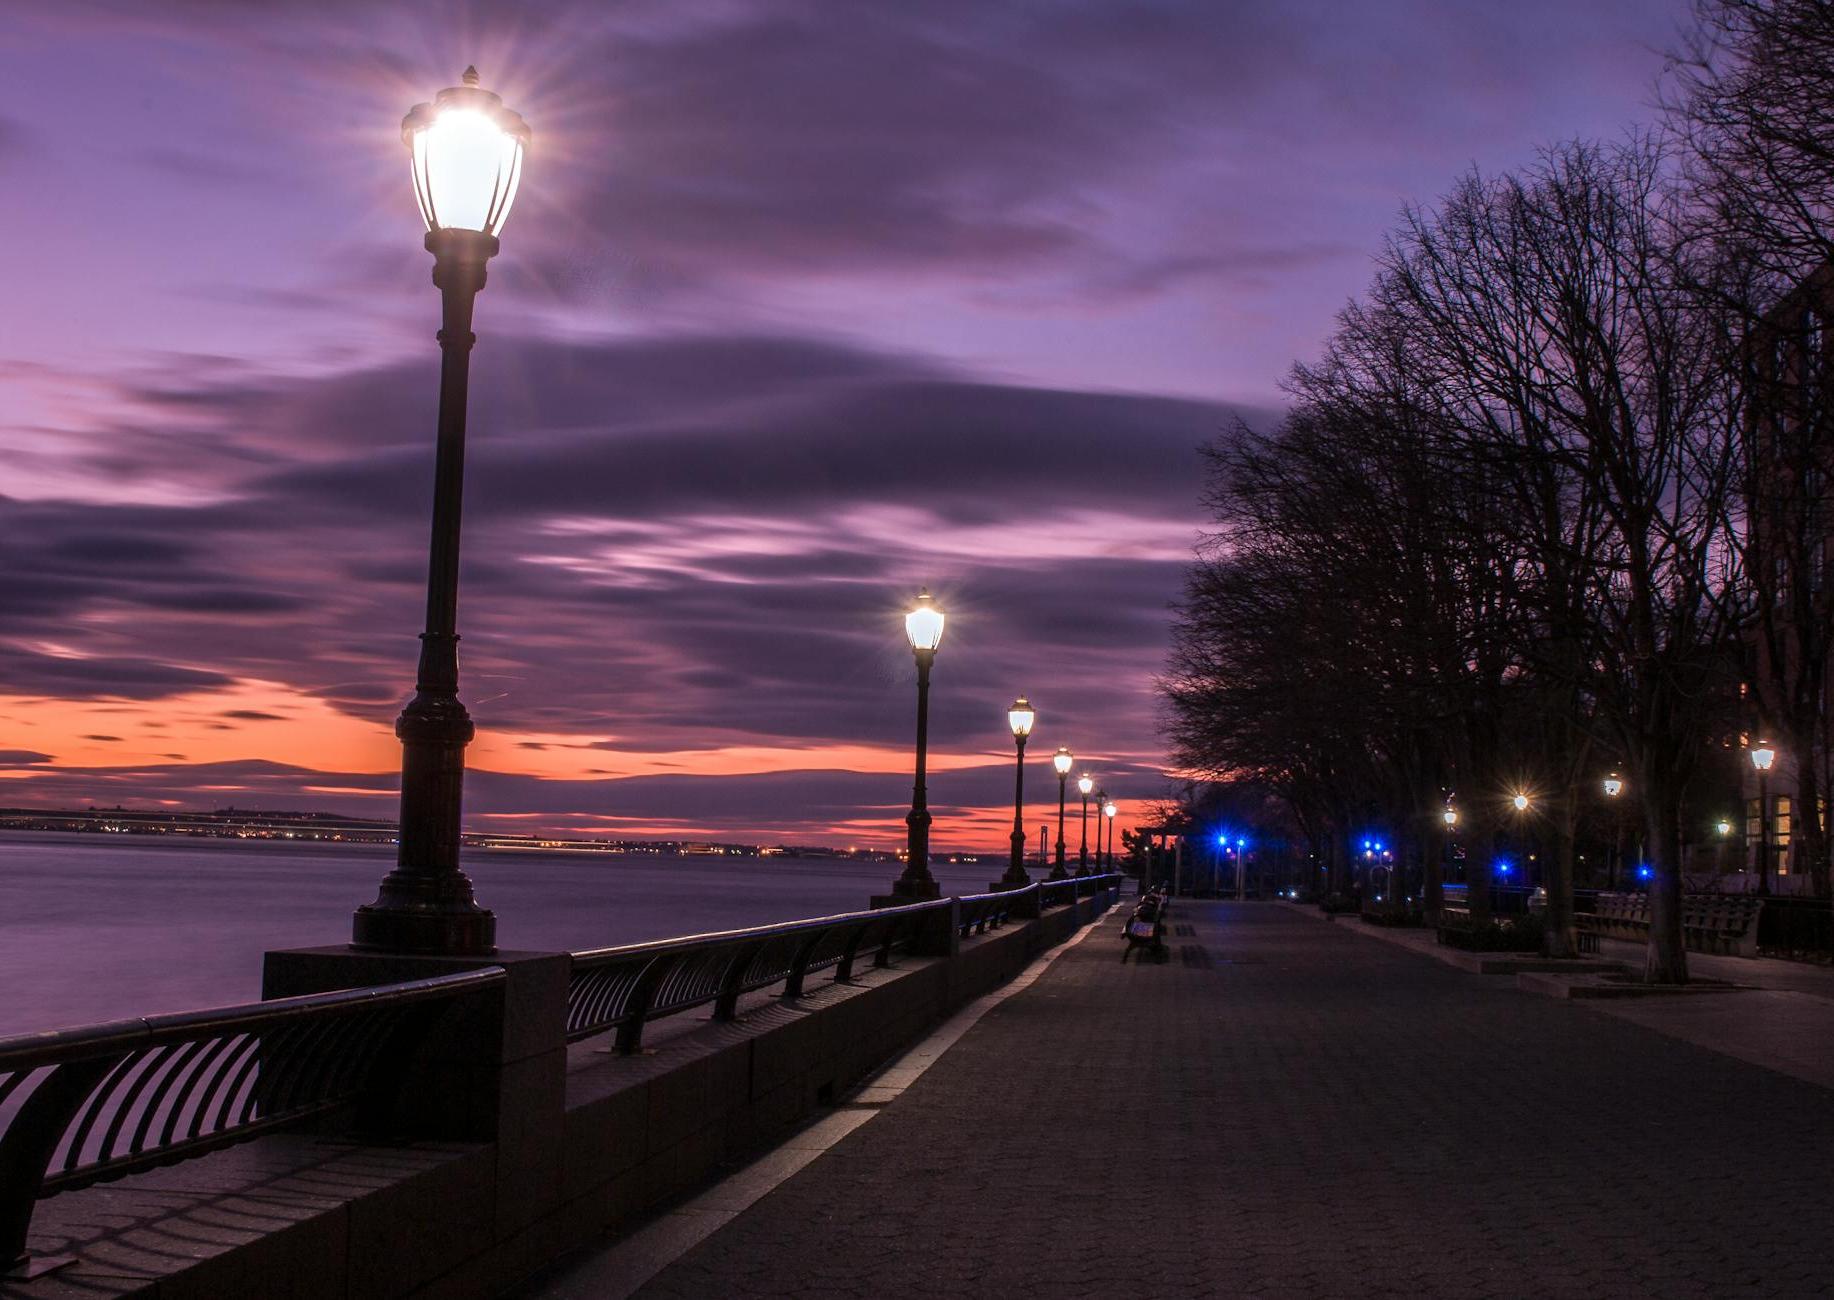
x: 1478, y: 855
x: 1665, y: 961
x: 1808, y: 837
x: 1433, y: 873
x: 1558, y: 875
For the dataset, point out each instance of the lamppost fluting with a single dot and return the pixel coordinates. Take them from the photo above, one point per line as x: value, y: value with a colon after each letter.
x: 1762, y: 756
x: 923, y: 628
x: 1020, y: 718
x: 1086, y: 784
x: 1061, y: 762
x: 1108, y: 812
x: 467, y: 152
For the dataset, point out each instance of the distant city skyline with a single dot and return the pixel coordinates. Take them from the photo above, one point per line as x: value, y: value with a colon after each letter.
x: 802, y: 307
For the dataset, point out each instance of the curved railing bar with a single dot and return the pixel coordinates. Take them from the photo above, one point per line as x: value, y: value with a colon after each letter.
x: 83, y: 1105
x: 623, y: 988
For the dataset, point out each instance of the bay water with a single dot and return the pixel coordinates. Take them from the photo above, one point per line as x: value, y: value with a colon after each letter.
x: 99, y: 927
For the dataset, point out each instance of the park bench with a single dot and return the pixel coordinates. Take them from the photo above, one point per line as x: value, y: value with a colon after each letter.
x: 1712, y: 923
x: 1154, y: 943
x: 1454, y: 916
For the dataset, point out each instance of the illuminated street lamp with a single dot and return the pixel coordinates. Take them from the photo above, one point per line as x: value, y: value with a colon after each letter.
x: 1020, y: 718
x: 1762, y: 756
x: 1086, y: 784
x: 1614, y: 786
x: 1062, y: 761
x: 1451, y: 816
x: 923, y: 628
x: 1520, y: 802
x: 467, y: 151
x: 1108, y: 811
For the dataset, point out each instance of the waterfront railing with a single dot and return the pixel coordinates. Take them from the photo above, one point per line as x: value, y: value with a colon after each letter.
x: 83, y: 1106
x: 620, y: 990
x: 87, y: 1105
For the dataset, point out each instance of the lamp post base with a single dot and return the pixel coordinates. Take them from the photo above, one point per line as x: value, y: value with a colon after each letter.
x: 905, y: 890
x: 468, y: 931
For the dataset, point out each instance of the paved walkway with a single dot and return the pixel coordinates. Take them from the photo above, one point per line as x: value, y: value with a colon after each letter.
x: 1286, y: 1109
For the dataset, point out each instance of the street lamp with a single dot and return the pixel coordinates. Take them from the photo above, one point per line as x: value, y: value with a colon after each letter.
x: 1062, y: 761
x: 1762, y: 756
x: 467, y: 152
x: 1108, y: 811
x: 1020, y: 718
x: 1614, y: 786
x: 1451, y: 816
x: 923, y: 628
x: 1520, y: 802
x: 1086, y: 784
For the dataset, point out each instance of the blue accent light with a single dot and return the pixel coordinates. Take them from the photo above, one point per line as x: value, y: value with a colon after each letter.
x: 1502, y: 868
x: 1644, y: 873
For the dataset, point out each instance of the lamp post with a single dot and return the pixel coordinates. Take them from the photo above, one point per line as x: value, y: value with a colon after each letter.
x: 467, y: 152
x: 1435, y: 894
x: 1062, y: 761
x: 923, y: 628
x: 1614, y: 786
x: 1020, y: 718
x: 1520, y: 801
x: 1721, y: 829
x: 1762, y: 756
x: 1086, y: 784
x: 1108, y: 812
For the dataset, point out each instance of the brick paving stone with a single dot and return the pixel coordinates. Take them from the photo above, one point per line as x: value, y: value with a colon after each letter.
x: 1309, y: 1115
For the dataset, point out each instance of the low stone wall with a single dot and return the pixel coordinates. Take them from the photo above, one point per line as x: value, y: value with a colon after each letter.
x: 530, y: 1150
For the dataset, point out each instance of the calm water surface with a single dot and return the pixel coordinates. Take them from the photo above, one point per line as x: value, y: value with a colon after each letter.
x: 98, y: 927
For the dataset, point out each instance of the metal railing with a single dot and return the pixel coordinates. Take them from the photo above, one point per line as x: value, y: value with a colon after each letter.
x: 982, y: 912
x: 622, y: 989
x: 83, y: 1106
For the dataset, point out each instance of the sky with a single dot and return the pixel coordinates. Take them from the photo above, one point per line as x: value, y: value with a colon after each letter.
x: 802, y: 306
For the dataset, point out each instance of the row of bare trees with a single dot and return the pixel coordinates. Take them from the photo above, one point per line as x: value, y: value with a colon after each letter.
x: 1534, y: 508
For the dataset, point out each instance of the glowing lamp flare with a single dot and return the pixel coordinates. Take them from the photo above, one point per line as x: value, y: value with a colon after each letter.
x: 467, y: 152
x: 1021, y: 716
x: 1762, y: 756
x: 923, y: 625
x: 1109, y: 810
x: 1614, y: 786
x: 1451, y: 816
x: 1521, y: 802
x: 1085, y: 783
x: 1063, y: 760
